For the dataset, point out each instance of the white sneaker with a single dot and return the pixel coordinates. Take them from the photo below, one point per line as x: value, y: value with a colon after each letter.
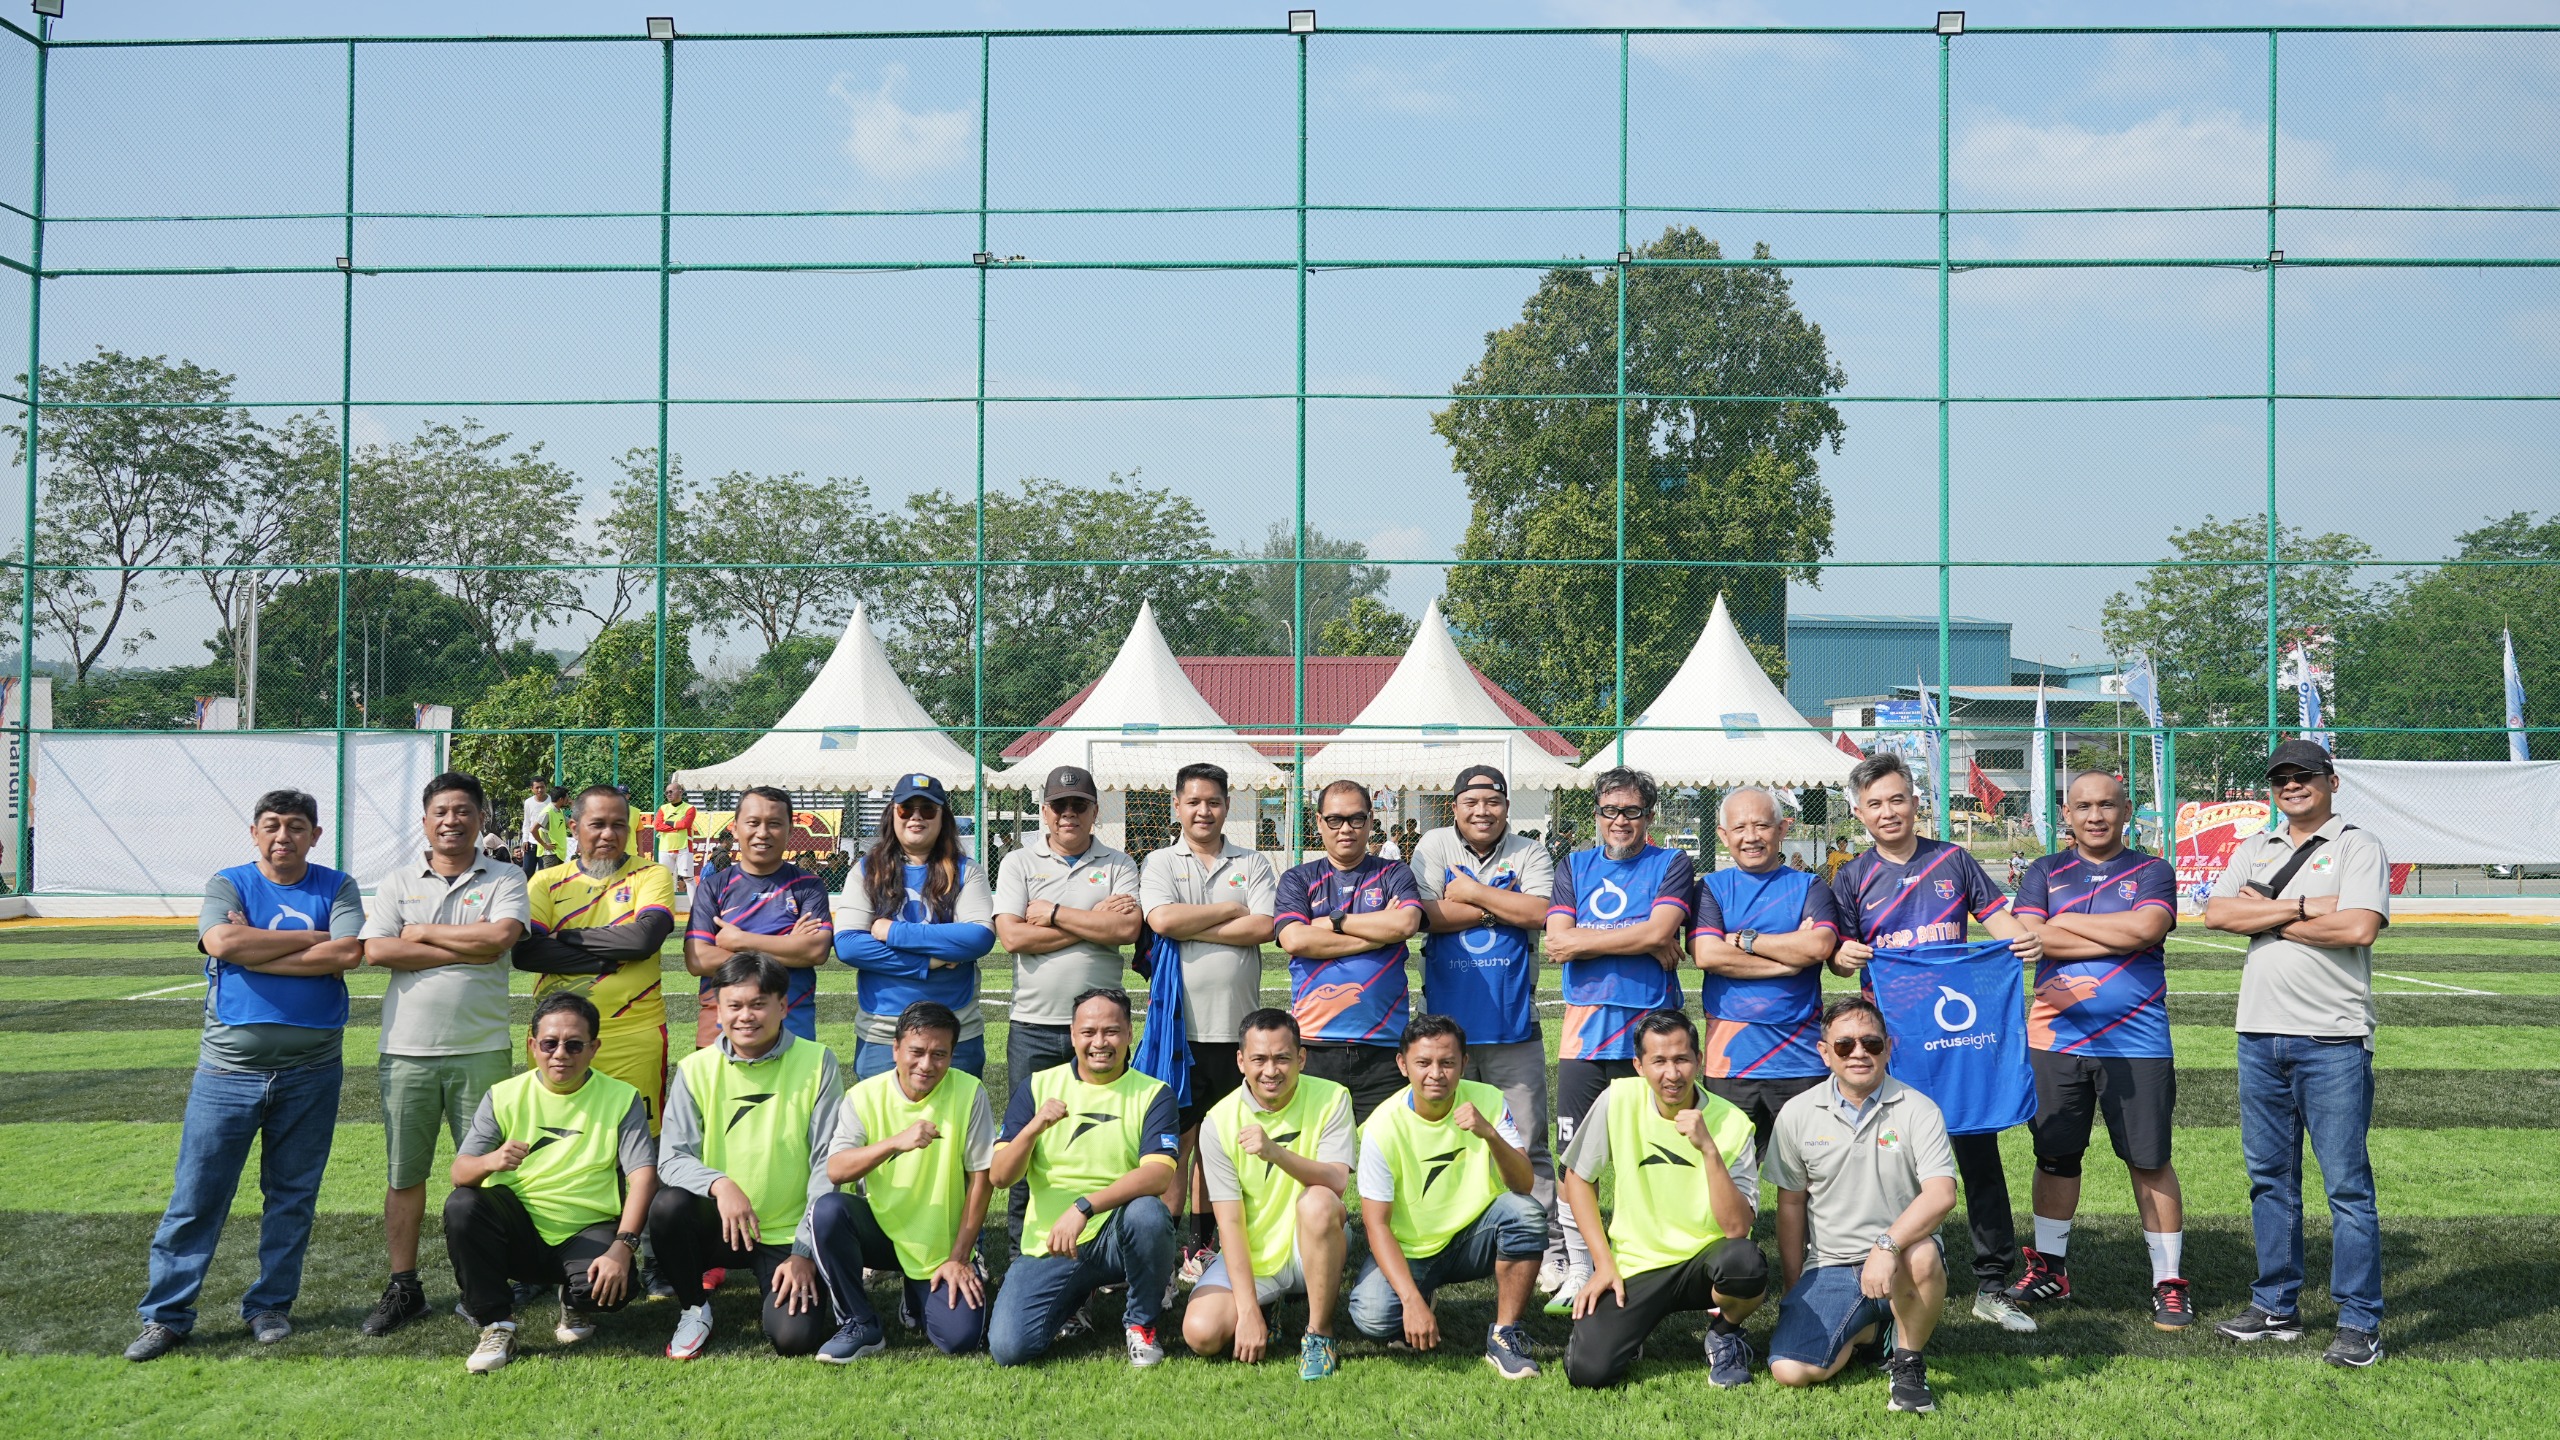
x: 497, y: 1346
x: 1561, y: 1303
x: 693, y: 1331
x: 1551, y: 1274
x: 2002, y: 1311
x: 1143, y: 1349
x: 574, y: 1326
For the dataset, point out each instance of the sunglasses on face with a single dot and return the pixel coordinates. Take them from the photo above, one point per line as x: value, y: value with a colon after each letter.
x: 1848, y: 1045
x: 1344, y: 822
x: 918, y: 809
x: 2286, y: 780
x: 550, y: 1044
x: 1623, y: 812
x: 1070, y: 807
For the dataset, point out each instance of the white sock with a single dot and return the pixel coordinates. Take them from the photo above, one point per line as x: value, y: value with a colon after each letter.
x: 2053, y: 1237
x: 2165, y: 1251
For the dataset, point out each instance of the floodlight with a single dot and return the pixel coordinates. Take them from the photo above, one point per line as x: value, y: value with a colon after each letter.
x: 983, y: 257
x: 343, y: 263
x: 1302, y: 22
x: 1950, y: 22
x: 1626, y: 257
x: 662, y: 27
x: 49, y: 9
x: 2275, y: 257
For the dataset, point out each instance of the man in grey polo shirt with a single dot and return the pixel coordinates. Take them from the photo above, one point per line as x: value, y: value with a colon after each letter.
x: 444, y: 928
x: 1484, y: 905
x: 1214, y: 898
x: 2312, y: 895
x: 1863, y: 1162
x: 1065, y: 905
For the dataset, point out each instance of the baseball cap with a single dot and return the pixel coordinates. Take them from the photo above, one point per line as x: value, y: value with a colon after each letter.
x: 1069, y: 780
x: 2301, y: 755
x: 1480, y: 777
x: 910, y: 787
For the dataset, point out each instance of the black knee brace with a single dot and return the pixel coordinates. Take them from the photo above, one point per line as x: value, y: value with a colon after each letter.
x: 2061, y: 1167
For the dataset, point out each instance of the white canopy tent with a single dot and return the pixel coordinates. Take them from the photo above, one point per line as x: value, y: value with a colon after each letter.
x: 857, y: 727
x: 1432, y: 719
x: 1721, y: 686
x: 1142, y: 721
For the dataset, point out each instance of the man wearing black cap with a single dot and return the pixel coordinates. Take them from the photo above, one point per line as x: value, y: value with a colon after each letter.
x: 1065, y: 905
x: 1484, y: 903
x: 2312, y: 895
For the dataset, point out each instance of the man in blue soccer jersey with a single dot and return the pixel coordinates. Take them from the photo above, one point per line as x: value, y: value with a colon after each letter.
x: 1761, y: 931
x: 1909, y: 890
x: 2098, y: 1037
x: 762, y: 903
x: 1615, y: 924
x: 1344, y: 920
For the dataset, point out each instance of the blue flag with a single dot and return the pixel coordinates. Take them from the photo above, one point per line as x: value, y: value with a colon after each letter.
x: 1162, y: 1050
x: 1958, y: 1018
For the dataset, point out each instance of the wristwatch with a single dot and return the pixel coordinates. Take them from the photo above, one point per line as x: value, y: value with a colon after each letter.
x: 1338, y: 918
x: 629, y: 1238
x: 1084, y: 1207
x: 1743, y: 940
x: 1885, y: 1243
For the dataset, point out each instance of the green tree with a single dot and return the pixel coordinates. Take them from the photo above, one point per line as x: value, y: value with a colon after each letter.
x: 1368, y: 627
x: 1055, y: 624
x: 757, y: 700
x: 2204, y: 626
x: 2429, y: 654
x: 1332, y: 590
x: 612, y: 691
x: 155, y: 478
x: 418, y: 646
x: 755, y: 522
x: 1708, y: 478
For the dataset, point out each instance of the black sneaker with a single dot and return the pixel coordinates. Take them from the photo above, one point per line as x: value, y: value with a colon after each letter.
x: 1911, y: 1394
x: 2045, y: 1278
x: 2171, y: 1309
x: 2253, y: 1325
x: 155, y: 1341
x: 2354, y: 1349
x: 403, y: 1300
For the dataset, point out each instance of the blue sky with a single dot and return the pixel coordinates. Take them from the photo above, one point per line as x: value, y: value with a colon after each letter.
x: 1724, y: 121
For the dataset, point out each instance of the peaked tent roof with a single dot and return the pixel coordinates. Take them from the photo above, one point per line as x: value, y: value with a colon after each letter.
x: 1720, y: 686
x: 1434, y: 718
x: 857, y: 727
x: 1142, y: 721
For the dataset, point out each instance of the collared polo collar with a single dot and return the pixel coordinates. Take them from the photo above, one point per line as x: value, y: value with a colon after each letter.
x: 2330, y: 830
x: 1040, y: 846
x: 480, y: 864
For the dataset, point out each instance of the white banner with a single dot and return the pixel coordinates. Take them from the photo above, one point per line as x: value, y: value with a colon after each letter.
x: 159, y: 814
x: 2456, y: 812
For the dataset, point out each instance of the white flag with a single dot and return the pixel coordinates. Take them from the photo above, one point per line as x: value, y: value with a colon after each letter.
x: 2516, y: 747
x: 2041, y: 775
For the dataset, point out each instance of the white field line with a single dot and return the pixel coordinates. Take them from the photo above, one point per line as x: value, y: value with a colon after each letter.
x: 170, y: 990
x: 2413, y: 980
x: 2214, y: 945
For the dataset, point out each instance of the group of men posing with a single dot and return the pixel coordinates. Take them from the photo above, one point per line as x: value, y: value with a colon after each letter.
x: 741, y: 1156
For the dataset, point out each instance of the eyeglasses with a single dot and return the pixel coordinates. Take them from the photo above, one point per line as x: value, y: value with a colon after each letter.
x: 550, y: 1044
x: 917, y: 809
x: 1070, y: 807
x: 2287, y: 779
x: 1344, y: 822
x: 1848, y: 1045
x: 1623, y: 812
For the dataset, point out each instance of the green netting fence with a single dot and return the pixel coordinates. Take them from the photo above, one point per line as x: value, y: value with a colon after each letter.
x: 584, y: 385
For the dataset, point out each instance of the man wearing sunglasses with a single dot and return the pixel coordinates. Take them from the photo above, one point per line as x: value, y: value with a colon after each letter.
x: 2312, y: 895
x: 1615, y: 923
x: 1344, y: 920
x: 1865, y: 1176
x: 1066, y: 904
x: 1909, y: 890
x: 551, y: 1185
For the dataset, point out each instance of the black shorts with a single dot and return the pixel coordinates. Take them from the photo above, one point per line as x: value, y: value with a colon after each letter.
x: 1578, y: 1084
x: 2138, y: 1095
x: 1368, y: 1071
x: 1214, y: 1077
x: 1761, y: 1099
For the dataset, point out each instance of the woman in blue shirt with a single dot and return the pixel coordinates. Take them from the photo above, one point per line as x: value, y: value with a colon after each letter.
x: 914, y: 919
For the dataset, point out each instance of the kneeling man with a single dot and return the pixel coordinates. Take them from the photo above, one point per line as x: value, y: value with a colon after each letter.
x: 1688, y: 1189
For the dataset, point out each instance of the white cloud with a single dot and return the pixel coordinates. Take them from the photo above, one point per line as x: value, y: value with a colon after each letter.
x: 2170, y: 158
x: 1402, y: 542
x: 1396, y: 92
x: 891, y: 142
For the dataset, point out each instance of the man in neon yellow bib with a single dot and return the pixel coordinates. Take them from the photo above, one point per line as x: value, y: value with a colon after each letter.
x: 1688, y: 1189
x: 1444, y: 1196
x: 1097, y: 1142
x: 1277, y: 1155
x: 742, y: 1155
x: 920, y: 1139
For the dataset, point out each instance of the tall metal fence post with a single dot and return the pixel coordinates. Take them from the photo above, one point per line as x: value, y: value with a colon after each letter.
x: 1945, y: 802
x: 346, y: 451
x: 978, y: 602
x: 1626, y: 275
x: 666, y: 254
x: 35, y: 412
x: 1298, y: 528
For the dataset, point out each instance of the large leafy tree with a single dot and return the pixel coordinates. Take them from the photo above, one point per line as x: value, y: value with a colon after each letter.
x: 1368, y: 627
x: 2428, y: 653
x: 741, y: 525
x: 409, y: 643
x: 154, y: 474
x: 2203, y: 622
x: 1332, y: 589
x: 612, y: 692
x: 1709, y: 478
x: 1058, y: 603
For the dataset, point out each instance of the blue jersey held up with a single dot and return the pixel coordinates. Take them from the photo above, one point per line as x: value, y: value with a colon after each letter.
x: 1604, y: 995
x: 1762, y: 1029
x: 1957, y: 1016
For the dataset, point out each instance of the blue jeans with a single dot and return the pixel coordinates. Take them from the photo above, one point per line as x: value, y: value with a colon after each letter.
x: 2291, y: 1085
x: 968, y: 1056
x: 1136, y: 1248
x: 293, y: 1115
x: 1511, y: 1228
